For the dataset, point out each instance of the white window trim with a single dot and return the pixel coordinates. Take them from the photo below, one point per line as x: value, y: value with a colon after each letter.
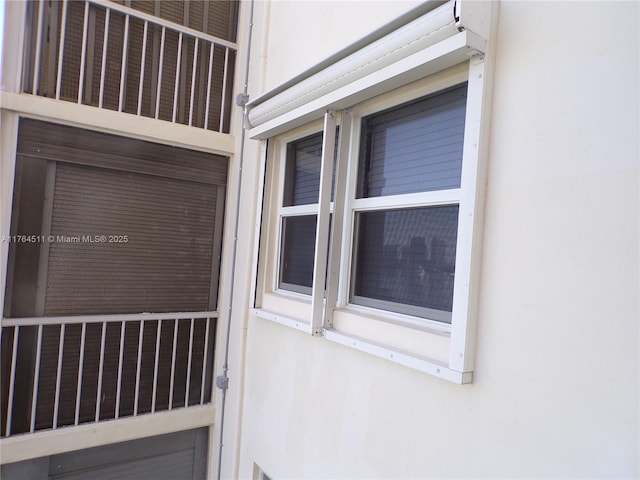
x: 318, y: 320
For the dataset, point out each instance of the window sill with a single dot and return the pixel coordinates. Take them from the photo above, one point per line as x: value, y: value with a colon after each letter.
x: 431, y: 366
x: 282, y: 319
x: 420, y: 363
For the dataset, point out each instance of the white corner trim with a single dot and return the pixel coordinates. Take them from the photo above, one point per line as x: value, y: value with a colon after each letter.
x: 66, y: 439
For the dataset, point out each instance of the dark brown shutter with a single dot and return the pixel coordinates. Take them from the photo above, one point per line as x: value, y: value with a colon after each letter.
x: 134, y: 226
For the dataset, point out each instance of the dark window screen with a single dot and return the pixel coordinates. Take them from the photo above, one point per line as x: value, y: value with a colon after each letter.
x: 414, y: 148
x: 297, y: 252
x: 302, y: 176
x: 406, y: 257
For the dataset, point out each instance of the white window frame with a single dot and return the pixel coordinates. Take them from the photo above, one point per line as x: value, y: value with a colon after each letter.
x: 444, y: 350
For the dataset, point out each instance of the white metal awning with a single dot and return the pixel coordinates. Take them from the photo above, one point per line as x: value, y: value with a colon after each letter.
x: 406, y: 50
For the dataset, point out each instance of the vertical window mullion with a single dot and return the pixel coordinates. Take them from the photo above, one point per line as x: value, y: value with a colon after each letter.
x: 322, y: 226
x: 339, y: 212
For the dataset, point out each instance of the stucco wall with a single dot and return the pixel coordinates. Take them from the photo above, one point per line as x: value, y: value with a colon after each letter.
x: 555, y: 391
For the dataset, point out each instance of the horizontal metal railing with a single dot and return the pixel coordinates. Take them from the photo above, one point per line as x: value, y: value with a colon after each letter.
x: 99, y: 53
x: 62, y: 371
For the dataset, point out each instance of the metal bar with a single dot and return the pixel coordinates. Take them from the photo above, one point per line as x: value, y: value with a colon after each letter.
x: 337, y: 225
x: 36, y: 62
x: 52, y: 15
x: 120, y: 360
x: 85, y: 28
x: 91, y: 52
x: 173, y: 362
x: 155, y: 368
x: 186, y: 388
x: 63, y: 27
x: 206, y: 110
x: 138, y: 364
x: 160, y: 73
x: 36, y: 378
x: 224, y: 88
x: 165, y: 23
x: 204, y: 360
x: 123, y: 65
x: 80, y: 367
x: 100, y: 369
x: 56, y: 404
x: 105, y: 41
x: 177, y: 82
x: 193, y: 80
x: 12, y: 379
x: 142, y: 64
x: 322, y: 223
x: 35, y: 321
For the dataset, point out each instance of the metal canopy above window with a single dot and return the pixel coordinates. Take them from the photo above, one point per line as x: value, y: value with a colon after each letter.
x: 412, y: 47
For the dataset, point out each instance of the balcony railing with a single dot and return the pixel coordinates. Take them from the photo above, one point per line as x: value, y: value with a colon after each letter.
x: 67, y: 371
x: 99, y: 53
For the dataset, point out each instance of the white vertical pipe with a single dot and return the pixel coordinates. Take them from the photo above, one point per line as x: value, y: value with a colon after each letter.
x: 173, y: 362
x: 155, y: 368
x: 36, y: 64
x: 206, y: 110
x: 123, y: 65
x: 100, y: 370
x: 204, y: 360
x: 85, y: 28
x: 142, y: 63
x: 137, y: 394
x: 12, y: 379
x: 105, y: 41
x: 193, y: 80
x: 120, y: 361
x: 224, y: 87
x: 160, y: 72
x: 63, y: 27
x: 186, y: 388
x: 36, y: 378
x: 177, y: 82
x: 56, y: 404
x: 80, y: 367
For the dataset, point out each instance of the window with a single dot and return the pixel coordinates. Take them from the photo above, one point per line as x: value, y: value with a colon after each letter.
x: 405, y: 255
x: 299, y: 209
x: 381, y: 254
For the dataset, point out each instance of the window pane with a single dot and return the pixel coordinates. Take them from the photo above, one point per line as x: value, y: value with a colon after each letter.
x: 302, y: 177
x: 302, y: 174
x: 406, y: 258
x: 297, y: 253
x: 414, y: 148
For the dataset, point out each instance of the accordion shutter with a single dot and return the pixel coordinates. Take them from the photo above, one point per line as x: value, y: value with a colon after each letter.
x: 165, y: 264
x: 167, y: 201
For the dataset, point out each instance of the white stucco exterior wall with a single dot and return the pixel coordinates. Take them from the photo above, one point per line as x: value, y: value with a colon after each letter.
x: 556, y: 380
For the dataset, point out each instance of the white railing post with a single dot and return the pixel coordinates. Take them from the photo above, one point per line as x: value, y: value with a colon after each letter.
x: 85, y: 28
x: 12, y: 379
